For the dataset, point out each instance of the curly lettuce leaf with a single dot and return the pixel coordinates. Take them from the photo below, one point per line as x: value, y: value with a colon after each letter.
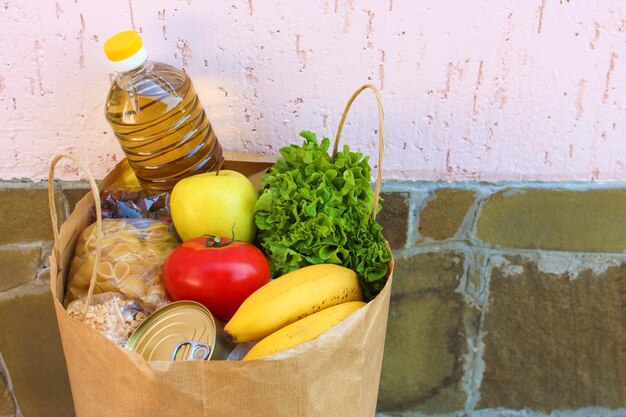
x: 313, y: 209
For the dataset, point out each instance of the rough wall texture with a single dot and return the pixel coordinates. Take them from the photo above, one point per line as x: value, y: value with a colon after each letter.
x: 478, y: 326
x: 503, y: 307
x: 485, y: 90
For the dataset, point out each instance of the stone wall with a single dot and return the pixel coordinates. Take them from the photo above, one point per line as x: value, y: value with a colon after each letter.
x: 33, y: 379
x: 508, y: 300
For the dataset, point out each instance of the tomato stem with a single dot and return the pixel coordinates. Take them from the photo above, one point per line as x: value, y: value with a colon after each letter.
x: 213, y: 241
x: 216, y: 242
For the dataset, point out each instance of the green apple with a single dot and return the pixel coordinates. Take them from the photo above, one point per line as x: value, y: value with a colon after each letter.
x: 211, y: 203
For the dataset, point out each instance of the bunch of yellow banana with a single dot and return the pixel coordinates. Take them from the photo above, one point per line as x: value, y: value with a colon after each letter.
x: 276, y: 312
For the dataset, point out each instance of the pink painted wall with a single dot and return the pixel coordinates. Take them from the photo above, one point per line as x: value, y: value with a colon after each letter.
x: 481, y: 90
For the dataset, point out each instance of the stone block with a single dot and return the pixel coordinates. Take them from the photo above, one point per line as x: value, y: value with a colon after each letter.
x: 442, y: 216
x: 394, y: 218
x: 554, y: 341
x: 563, y: 220
x: 425, y: 343
x: 74, y: 195
x: 18, y: 266
x: 25, y: 215
x: 6, y: 402
x: 31, y: 347
x: 438, y: 271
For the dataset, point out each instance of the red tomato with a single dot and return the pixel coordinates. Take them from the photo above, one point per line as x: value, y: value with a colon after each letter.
x: 217, y: 272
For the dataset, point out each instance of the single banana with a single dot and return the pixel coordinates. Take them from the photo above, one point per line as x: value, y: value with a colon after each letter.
x: 291, y: 297
x: 302, y: 330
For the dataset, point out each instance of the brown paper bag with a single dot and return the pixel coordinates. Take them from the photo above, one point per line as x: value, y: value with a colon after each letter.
x: 336, y: 374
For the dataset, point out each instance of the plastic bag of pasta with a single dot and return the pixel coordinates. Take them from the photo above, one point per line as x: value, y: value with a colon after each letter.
x: 131, y: 262
x: 123, y: 197
x: 133, y: 203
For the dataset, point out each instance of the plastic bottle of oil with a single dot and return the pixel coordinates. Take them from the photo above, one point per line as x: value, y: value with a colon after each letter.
x: 157, y: 117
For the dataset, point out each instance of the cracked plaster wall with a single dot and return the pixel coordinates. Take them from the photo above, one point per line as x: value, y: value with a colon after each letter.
x: 485, y: 90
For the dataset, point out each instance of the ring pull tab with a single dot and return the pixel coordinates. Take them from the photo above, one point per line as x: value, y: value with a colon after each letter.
x: 199, y: 351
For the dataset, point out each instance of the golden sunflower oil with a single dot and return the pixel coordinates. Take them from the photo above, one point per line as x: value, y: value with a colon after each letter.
x: 157, y: 117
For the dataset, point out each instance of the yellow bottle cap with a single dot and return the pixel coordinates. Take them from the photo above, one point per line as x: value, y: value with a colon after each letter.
x: 123, y: 45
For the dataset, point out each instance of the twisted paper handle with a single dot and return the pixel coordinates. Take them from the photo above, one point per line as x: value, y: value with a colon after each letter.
x: 381, y: 137
x: 54, y: 218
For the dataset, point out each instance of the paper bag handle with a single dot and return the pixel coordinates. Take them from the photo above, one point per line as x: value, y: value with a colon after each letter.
x: 381, y: 137
x: 54, y: 218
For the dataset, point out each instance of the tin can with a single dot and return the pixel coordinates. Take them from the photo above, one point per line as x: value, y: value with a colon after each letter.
x: 183, y: 330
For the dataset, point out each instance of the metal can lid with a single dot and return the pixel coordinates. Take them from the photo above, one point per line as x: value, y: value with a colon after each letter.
x: 183, y: 330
